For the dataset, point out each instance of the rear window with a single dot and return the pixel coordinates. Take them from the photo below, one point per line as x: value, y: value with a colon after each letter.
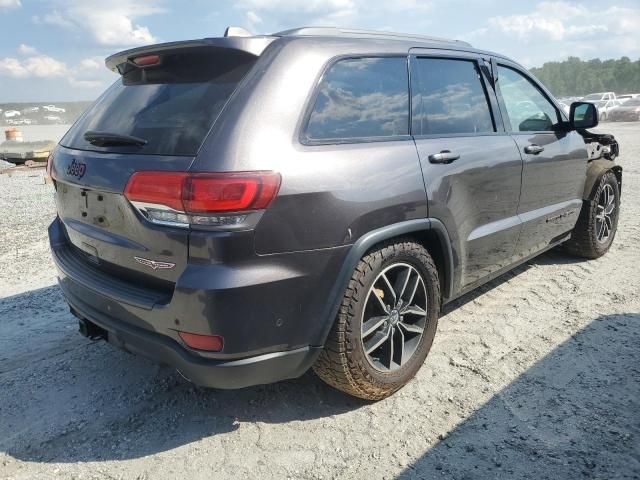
x: 362, y: 98
x: 172, y: 106
x: 449, y: 98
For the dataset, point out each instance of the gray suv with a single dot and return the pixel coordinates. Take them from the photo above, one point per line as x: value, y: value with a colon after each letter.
x: 245, y: 208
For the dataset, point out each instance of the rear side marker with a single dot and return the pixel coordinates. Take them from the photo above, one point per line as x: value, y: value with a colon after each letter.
x: 210, y: 343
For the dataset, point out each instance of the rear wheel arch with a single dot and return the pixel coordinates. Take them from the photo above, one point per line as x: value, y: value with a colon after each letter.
x: 436, y: 241
x: 429, y: 232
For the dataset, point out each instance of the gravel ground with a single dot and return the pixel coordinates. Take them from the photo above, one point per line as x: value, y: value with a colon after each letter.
x: 537, y: 375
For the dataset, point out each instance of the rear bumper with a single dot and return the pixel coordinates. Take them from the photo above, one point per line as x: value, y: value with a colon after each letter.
x: 269, y: 311
x: 261, y: 369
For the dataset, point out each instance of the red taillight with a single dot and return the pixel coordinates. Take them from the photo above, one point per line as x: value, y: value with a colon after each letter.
x: 211, y: 343
x: 147, y: 60
x: 230, y: 192
x: 203, y: 193
x: 50, y: 165
x: 161, y: 188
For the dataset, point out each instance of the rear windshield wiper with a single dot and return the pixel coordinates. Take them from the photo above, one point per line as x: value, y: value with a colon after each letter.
x: 103, y: 139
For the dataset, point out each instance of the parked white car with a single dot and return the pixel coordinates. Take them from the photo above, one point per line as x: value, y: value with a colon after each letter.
x: 628, y: 96
x: 28, y: 110
x: 605, y: 106
x: 53, y: 118
x: 20, y: 121
x: 599, y: 97
x: 12, y: 114
x: 53, y: 108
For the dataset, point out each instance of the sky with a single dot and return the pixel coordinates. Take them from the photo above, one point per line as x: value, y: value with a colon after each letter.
x: 55, y: 49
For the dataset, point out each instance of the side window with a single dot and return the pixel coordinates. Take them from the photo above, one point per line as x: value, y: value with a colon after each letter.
x: 528, y: 109
x: 362, y: 98
x: 449, y: 98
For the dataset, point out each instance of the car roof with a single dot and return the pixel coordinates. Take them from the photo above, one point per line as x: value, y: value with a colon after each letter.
x: 367, y: 34
x: 239, y: 39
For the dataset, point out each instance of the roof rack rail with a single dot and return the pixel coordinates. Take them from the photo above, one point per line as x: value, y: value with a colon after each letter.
x: 349, y: 32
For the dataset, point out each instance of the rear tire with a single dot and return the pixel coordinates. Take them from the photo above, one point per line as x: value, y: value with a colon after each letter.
x: 598, y: 222
x: 381, y: 307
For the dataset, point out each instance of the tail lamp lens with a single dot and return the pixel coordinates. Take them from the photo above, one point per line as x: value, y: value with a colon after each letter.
x: 50, y: 165
x: 156, y: 188
x: 201, y: 198
x: 210, y: 343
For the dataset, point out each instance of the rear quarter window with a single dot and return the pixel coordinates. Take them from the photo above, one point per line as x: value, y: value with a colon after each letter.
x: 171, y: 105
x: 361, y: 98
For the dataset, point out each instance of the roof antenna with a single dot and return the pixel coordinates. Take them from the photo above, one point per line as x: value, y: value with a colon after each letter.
x: 237, y: 32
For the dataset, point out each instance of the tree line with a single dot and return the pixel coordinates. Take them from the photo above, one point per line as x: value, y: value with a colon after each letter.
x: 575, y: 77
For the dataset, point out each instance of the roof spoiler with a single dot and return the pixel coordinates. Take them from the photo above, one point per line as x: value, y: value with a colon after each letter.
x: 233, y: 41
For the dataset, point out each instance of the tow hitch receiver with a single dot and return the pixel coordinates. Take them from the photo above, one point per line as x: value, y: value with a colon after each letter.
x: 91, y: 330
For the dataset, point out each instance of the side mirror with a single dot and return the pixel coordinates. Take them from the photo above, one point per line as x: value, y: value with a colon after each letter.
x: 583, y: 115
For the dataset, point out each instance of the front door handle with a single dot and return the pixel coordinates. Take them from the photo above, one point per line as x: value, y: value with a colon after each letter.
x: 445, y: 156
x: 533, y: 149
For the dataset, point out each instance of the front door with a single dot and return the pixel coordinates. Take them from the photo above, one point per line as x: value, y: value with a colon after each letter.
x: 555, y: 160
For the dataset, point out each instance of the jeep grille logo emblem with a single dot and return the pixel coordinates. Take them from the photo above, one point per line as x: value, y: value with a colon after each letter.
x: 153, y: 264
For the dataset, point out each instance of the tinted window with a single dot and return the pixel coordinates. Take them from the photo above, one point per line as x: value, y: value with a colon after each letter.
x: 448, y: 97
x: 172, y: 105
x: 362, y: 98
x: 528, y: 109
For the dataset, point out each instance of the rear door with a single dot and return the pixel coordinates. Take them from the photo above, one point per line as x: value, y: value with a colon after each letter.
x: 167, y: 107
x: 471, y: 166
x: 555, y: 160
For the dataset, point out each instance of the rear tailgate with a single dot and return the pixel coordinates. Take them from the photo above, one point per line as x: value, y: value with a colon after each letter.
x: 167, y: 104
x: 102, y: 225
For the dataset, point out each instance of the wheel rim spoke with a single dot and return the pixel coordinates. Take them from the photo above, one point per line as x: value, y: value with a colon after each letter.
x: 401, y: 282
x: 378, y: 339
x: 391, y: 337
x: 604, y: 214
x: 412, y: 328
x: 600, y: 226
x: 372, y: 325
x: 414, y: 310
x: 390, y: 340
x: 400, y: 352
x: 389, y: 288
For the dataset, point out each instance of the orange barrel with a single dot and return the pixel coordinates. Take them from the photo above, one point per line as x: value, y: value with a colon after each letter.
x: 13, y: 134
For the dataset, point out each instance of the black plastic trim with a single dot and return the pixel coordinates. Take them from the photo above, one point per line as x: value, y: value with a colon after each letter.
x: 224, y: 374
x: 68, y: 262
x: 369, y: 240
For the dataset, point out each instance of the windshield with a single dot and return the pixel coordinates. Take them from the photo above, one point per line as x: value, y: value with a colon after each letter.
x: 169, y: 107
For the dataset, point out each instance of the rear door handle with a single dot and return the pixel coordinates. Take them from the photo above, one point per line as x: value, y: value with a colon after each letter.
x: 533, y: 149
x: 445, y: 156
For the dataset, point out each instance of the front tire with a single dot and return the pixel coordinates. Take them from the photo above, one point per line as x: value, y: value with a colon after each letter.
x: 598, y: 222
x: 386, y: 322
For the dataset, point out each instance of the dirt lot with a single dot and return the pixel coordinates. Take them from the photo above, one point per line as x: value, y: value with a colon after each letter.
x: 535, y: 376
